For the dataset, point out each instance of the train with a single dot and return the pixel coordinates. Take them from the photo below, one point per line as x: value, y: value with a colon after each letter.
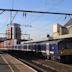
x: 55, y: 50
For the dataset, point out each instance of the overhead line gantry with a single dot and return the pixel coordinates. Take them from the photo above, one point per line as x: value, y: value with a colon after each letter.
x: 32, y: 11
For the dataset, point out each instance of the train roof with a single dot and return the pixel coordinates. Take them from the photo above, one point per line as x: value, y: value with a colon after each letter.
x: 38, y: 40
x: 61, y: 37
x: 43, y: 40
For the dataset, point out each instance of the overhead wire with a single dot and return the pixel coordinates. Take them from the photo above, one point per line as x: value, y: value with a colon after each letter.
x: 55, y: 5
x: 42, y: 15
x: 32, y: 11
x: 11, y: 12
x: 25, y: 16
x: 2, y: 12
x: 14, y: 17
x: 70, y: 16
x: 35, y: 19
x: 26, y: 25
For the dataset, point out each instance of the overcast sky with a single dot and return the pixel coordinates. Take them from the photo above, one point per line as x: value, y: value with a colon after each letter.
x: 41, y: 23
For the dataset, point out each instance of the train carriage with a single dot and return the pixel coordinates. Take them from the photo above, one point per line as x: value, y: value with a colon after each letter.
x: 54, y: 49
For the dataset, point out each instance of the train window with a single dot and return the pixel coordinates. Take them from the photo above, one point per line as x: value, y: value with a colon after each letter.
x: 34, y: 47
x: 8, y: 47
x: 19, y: 46
x: 12, y: 46
x: 38, y: 47
x: 65, y: 45
x: 43, y: 47
x: 30, y: 46
x: 16, y: 46
x: 68, y: 45
x: 25, y: 47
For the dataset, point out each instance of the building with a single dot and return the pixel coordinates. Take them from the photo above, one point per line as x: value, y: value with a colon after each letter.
x: 13, y: 34
x: 2, y: 39
x: 13, y: 31
x: 68, y: 25
x: 59, y: 30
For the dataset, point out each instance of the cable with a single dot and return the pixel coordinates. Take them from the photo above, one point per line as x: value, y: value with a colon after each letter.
x: 14, y: 17
x: 65, y: 18
x: 11, y: 12
x: 26, y: 25
x: 31, y: 11
x: 45, y: 1
x: 70, y: 17
x: 35, y: 19
x: 2, y: 12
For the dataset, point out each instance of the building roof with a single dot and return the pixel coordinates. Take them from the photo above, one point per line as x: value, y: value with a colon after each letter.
x: 69, y: 22
x: 13, y: 24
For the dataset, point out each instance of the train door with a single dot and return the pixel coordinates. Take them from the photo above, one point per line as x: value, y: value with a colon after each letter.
x: 47, y: 51
x: 54, y: 51
x: 53, y: 48
x: 39, y: 46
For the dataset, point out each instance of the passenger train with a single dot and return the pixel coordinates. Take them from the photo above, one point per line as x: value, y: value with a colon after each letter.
x: 54, y: 50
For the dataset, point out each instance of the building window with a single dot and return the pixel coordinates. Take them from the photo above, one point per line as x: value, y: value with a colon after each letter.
x: 70, y: 29
x: 18, y: 42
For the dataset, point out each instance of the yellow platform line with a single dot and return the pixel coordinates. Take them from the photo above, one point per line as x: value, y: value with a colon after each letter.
x: 8, y: 64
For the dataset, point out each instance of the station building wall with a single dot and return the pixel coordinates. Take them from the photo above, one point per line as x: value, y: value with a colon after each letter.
x: 1, y: 44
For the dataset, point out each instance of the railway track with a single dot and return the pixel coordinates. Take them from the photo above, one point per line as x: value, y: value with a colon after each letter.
x: 48, y: 66
x: 38, y: 66
x: 58, y: 67
x: 43, y: 65
x: 31, y: 62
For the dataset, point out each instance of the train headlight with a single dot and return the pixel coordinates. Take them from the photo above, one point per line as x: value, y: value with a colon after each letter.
x: 61, y: 52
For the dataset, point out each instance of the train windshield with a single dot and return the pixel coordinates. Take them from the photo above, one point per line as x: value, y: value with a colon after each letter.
x: 69, y: 45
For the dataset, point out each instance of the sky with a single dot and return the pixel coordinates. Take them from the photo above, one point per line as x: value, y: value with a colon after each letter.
x: 41, y: 23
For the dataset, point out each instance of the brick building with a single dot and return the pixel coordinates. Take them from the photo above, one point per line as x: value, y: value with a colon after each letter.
x: 13, y: 35
x: 13, y: 31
